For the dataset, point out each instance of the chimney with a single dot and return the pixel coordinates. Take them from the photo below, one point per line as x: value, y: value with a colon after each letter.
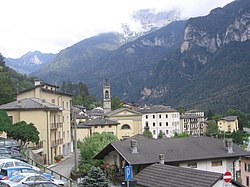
x: 37, y: 82
x: 228, y: 144
x: 161, y: 158
x: 134, y: 146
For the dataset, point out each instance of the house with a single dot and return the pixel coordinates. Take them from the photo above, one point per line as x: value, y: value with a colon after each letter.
x: 97, y: 125
x: 50, y: 111
x: 204, y: 153
x: 245, y: 171
x: 228, y: 124
x: 192, y: 124
x: 167, y: 175
x: 160, y: 119
x: 129, y: 122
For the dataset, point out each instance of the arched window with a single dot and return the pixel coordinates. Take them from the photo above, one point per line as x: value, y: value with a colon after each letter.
x: 106, y: 94
x: 125, y: 126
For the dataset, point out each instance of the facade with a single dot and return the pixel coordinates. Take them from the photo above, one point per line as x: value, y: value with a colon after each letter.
x: 129, y: 122
x: 192, y: 124
x: 97, y: 125
x: 54, y: 125
x: 245, y: 171
x: 106, y: 96
x: 228, y: 124
x: 203, y: 153
x: 160, y: 118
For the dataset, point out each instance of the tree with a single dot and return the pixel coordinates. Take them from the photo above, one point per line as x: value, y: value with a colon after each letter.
x: 160, y: 135
x: 216, y: 117
x: 147, y: 133
x: 181, y: 135
x: 212, y: 128
x: 23, y: 132
x: 4, y: 121
x: 90, y: 146
x: 94, y: 178
x: 116, y: 103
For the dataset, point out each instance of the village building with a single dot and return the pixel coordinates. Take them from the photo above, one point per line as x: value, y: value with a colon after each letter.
x: 228, y: 124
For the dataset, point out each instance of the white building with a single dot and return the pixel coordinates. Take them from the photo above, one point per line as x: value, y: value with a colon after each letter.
x: 160, y: 118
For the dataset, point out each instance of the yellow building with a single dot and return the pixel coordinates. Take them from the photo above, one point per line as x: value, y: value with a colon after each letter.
x: 97, y: 125
x: 228, y: 124
x: 49, y: 110
x: 122, y: 122
x: 130, y: 122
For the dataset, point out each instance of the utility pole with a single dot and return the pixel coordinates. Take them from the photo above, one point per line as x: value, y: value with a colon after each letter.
x: 75, y: 140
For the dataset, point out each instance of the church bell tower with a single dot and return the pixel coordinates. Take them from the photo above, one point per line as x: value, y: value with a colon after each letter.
x: 106, y: 96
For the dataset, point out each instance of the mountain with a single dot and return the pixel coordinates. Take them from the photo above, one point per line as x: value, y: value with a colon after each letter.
x: 147, y: 20
x: 30, y: 62
x: 199, y: 63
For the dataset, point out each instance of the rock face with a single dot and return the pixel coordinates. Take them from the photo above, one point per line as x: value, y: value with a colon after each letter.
x: 236, y: 27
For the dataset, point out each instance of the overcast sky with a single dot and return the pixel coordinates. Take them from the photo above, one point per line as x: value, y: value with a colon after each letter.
x: 52, y: 25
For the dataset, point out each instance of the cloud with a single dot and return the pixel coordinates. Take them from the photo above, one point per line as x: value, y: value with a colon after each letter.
x: 50, y: 26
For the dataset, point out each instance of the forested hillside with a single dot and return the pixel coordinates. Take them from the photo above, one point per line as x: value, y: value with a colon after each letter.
x: 11, y: 82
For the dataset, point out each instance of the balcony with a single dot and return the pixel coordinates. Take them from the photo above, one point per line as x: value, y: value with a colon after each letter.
x: 54, y: 126
x: 57, y: 142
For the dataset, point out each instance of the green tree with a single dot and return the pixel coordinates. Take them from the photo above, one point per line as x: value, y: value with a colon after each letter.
x: 90, y: 146
x: 212, y: 128
x: 181, y: 135
x: 116, y: 103
x: 147, y: 133
x: 23, y: 132
x: 4, y: 121
x: 160, y: 135
x: 94, y: 178
x: 216, y: 117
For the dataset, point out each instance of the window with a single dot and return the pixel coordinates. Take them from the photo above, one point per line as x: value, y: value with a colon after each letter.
x: 159, y: 115
x: 217, y: 163
x: 247, y: 167
x: 166, y: 131
x: 110, y: 126
x: 153, y: 131
x: 247, y: 181
x: 53, y: 101
x: 192, y: 165
x: 159, y: 123
x: 166, y: 116
x: 166, y: 123
x: 11, y: 119
x: 96, y: 126
x: 153, y: 124
x: 125, y: 126
x: 153, y: 116
x: 146, y: 116
x: 146, y: 124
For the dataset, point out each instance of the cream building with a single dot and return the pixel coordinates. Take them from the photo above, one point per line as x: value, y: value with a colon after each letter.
x: 122, y: 122
x: 49, y: 110
x: 228, y: 124
x: 160, y: 118
x: 130, y: 122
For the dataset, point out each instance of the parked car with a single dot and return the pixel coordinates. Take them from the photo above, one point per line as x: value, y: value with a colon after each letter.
x: 10, y: 143
x: 8, y: 162
x: 6, y: 152
x: 38, y: 184
x: 31, y: 177
x: 7, y: 173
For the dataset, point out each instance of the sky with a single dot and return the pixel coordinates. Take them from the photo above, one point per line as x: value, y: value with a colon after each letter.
x: 52, y: 25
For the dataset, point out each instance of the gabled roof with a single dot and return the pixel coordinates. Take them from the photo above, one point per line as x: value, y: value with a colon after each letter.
x: 155, y: 109
x: 29, y: 104
x: 173, y: 176
x: 98, y: 121
x: 174, y: 149
x: 229, y: 118
x: 190, y: 116
x: 117, y: 111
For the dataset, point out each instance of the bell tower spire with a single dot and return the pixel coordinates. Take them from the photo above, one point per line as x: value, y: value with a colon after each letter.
x: 106, y: 96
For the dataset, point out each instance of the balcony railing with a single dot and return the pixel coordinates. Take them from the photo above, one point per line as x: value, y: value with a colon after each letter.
x: 54, y: 126
x: 56, y: 142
